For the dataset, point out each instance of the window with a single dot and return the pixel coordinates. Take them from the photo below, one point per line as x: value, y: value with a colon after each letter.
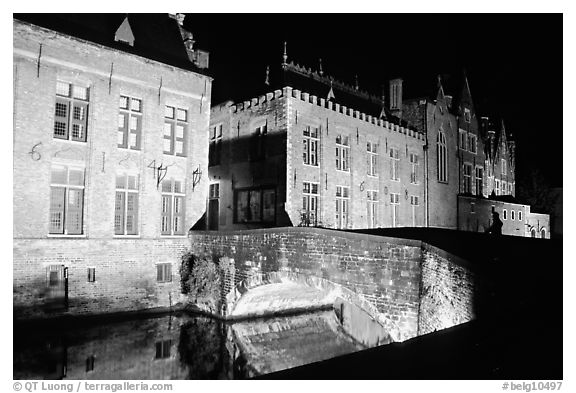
x: 414, y: 171
x: 90, y: 363
x: 130, y: 123
x: 255, y: 205
x: 395, y: 203
x: 512, y: 214
x: 71, y: 112
x: 310, y: 203
x: 472, y: 207
x: 479, y: 172
x: 505, y: 214
x: 91, y: 274
x: 310, y: 139
x: 503, y: 166
x: 472, y: 143
x: 441, y: 158
x: 215, y: 149
x: 467, y: 115
x: 519, y: 215
x: 214, y: 191
x: 258, y: 143
x: 497, y: 188
x: 164, y: 272
x: 467, y: 178
x: 504, y: 187
x: 175, y: 130
x: 163, y: 349
x: 372, y: 159
x: 533, y: 232
x: 342, y: 153
x: 372, y: 206
x: 414, y: 202
x: 463, y: 140
x: 172, y: 207
x: 342, y: 206
x: 126, y: 205
x: 543, y: 233
x: 66, y: 200
x: 394, y: 164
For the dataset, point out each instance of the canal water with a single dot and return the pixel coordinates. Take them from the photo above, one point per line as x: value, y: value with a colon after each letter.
x: 183, y: 347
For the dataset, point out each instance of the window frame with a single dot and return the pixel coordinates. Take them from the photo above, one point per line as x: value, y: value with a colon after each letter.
x: 262, y: 191
x: 415, y: 163
x: 467, y: 178
x: 394, y: 156
x: 372, y: 208
x: 215, y: 145
x: 126, y: 193
x: 66, y: 204
x: 311, y: 142
x: 172, y: 205
x: 372, y: 159
x: 307, y: 198
x: 172, y: 137
x: 395, y: 208
x: 71, y: 102
x: 441, y: 157
x: 343, y: 153
x: 342, y: 212
x: 164, y: 272
x: 128, y: 113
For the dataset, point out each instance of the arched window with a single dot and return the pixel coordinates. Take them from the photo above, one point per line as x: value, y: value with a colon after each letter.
x: 533, y: 232
x: 543, y: 233
x: 441, y: 157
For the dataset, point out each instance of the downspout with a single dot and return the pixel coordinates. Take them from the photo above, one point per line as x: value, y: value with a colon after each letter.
x: 426, y: 165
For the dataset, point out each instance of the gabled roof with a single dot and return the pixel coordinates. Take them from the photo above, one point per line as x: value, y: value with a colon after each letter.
x: 156, y: 36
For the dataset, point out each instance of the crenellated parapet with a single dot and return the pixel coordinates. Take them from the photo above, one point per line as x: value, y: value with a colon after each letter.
x: 289, y: 92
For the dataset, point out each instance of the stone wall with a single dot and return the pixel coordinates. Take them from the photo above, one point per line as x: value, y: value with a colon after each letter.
x: 447, y: 291
x: 125, y: 272
x: 385, y: 271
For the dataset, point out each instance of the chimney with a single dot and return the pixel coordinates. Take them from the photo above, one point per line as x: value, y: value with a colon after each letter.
x: 200, y: 58
x: 396, y: 97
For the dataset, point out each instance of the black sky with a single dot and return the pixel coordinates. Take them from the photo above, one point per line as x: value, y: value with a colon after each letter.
x: 513, y: 62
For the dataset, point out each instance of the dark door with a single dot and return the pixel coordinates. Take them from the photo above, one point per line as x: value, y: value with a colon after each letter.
x: 56, y: 287
x: 213, y: 214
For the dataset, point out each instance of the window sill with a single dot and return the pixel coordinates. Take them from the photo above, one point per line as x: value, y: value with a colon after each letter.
x: 173, y: 236
x: 63, y: 236
x: 343, y: 171
x: 85, y: 143
x: 311, y: 166
x: 373, y: 176
x: 129, y: 149
x: 126, y: 237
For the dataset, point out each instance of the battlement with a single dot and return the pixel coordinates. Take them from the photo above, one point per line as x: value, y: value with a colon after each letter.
x: 288, y: 92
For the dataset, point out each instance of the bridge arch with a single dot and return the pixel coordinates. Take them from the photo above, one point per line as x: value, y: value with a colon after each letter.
x: 332, y: 293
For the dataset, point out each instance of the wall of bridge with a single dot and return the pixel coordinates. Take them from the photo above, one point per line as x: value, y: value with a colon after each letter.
x: 384, y: 271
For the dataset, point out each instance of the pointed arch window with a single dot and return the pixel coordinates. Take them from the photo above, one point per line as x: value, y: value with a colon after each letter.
x: 441, y: 157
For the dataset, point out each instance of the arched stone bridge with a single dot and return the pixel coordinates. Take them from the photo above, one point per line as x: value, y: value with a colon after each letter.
x: 272, y: 270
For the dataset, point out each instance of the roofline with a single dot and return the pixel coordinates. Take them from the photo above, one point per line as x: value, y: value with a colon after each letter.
x: 72, y: 37
x: 289, y: 92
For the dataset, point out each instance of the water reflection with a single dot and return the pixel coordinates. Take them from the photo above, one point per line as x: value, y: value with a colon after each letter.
x: 181, y: 347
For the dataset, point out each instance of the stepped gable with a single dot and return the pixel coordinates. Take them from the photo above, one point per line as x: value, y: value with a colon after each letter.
x: 157, y: 36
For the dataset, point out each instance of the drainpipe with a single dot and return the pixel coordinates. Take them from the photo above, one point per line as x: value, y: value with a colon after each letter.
x: 426, y: 193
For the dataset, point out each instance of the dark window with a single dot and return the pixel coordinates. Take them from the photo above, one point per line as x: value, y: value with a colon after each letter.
x: 163, y: 349
x: 91, y: 274
x: 258, y: 143
x: 215, y: 149
x: 256, y: 205
x: 163, y: 272
x: 90, y: 363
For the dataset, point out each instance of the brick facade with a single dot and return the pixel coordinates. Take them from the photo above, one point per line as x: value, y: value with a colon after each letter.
x: 88, y: 227
x: 289, y: 114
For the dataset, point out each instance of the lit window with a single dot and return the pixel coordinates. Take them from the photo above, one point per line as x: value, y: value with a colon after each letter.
x: 372, y: 159
x: 130, y: 123
x: 310, y: 141
x: 66, y: 200
x: 309, y: 204
x: 372, y: 207
x: 126, y: 205
x: 175, y: 131
x: 395, y: 204
x: 441, y: 158
x: 394, y: 164
x: 342, y: 153
x: 71, y: 112
x: 173, y: 207
x: 342, y: 206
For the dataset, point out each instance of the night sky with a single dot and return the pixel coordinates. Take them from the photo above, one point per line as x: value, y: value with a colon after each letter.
x: 513, y: 62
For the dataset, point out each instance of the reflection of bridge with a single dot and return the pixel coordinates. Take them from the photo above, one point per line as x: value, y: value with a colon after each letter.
x: 294, y: 269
